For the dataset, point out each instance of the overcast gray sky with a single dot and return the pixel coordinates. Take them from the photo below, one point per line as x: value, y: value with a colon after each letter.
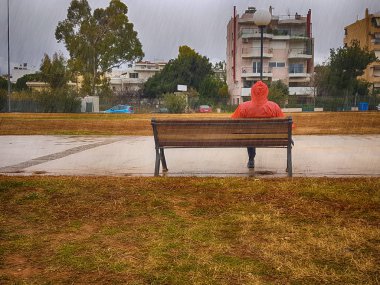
x: 164, y: 25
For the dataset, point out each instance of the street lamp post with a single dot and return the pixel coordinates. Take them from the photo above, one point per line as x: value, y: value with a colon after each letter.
x: 9, y: 69
x: 262, y: 18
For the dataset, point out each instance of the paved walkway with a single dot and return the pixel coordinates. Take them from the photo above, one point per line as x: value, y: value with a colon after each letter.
x: 333, y: 156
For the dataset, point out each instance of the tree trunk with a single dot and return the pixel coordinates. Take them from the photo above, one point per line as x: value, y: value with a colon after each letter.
x: 93, y: 77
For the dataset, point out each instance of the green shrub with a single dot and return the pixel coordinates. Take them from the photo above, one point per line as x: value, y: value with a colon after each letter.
x: 3, y: 100
x: 59, y: 101
x: 228, y: 108
x: 278, y: 92
x: 176, y: 103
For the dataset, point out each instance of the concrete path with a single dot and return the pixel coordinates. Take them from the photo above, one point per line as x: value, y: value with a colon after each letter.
x: 333, y: 156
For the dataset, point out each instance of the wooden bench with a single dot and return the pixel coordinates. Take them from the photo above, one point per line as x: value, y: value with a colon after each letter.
x: 221, y: 133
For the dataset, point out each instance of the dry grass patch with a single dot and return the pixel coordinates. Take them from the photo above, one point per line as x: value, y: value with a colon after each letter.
x: 139, y: 124
x: 109, y: 230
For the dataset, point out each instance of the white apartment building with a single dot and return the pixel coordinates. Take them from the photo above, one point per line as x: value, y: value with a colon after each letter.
x: 288, y: 53
x: 135, y: 76
x: 19, y: 71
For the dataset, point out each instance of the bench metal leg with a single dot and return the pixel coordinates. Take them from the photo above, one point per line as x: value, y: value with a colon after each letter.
x: 163, y: 160
x: 289, y: 161
x: 157, y: 165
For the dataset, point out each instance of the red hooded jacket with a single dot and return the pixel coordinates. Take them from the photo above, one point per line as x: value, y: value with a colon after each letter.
x: 259, y: 106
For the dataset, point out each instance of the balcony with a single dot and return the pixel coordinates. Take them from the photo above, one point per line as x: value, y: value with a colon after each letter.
x: 252, y: 52
x: 295, y: 53
x: 299, y: 37
x: 143, y: 67
x: 125, y: 81
x: 281, y: 37
x: 299, y: 21
x: 298, y: 75
x: 276, y: 34
x: 297, y: 71
x: 254, y: 73
x: 309, y: 91
x: 246, y: 21
x: 291, y: 19
x: 254, y: 33
x: 245, y: 92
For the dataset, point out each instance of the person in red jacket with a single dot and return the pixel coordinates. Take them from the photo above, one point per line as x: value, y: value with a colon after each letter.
x: 258, y: 107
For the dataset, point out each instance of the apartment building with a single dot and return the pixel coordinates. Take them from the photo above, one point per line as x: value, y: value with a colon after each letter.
x: 134, y: 76
x: 288, y: 53
x: 19, y: 71
x: 367, y: 32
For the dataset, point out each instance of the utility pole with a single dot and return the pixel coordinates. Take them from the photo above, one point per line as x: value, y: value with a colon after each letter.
x: 9, y: 69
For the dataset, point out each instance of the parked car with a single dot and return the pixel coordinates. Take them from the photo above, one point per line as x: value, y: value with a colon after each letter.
x: 205, y: 109
x: 120, y: 109
x: 378, y: 107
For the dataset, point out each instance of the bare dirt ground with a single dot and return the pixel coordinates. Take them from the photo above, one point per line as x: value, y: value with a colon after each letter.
x: 139, y: 124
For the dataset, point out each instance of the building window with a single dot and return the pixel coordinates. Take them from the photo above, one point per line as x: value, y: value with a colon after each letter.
x: 133, y: 75
x: 376, y: 72
x: 376, y: 22
x: 256, y: 67
x: 276, y: 64
x: 376, y: 38
x: 247, y: 83
x: 296, y: 68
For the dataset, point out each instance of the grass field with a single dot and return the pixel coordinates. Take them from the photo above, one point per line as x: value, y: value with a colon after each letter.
x: 139, y: 124
x: 108, y: 230
x: 139, y: 230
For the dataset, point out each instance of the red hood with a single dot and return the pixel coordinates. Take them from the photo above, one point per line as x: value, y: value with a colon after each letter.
x: 259, y: 93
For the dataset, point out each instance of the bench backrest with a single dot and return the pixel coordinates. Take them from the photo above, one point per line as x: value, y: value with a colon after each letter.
x: 268, y: 132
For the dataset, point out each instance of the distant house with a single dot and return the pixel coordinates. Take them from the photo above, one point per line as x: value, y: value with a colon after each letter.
x: 38, y: 85
x: 220, y: 71
x: 131, y: 79
x: 367, y: 32
x: 135, y: 76
x: 41, y: 86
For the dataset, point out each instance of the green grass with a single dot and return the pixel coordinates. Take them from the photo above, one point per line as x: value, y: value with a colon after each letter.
x: 109, y: 230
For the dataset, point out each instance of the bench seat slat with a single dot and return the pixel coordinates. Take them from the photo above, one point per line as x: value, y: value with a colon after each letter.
x: 221, y: 130
x: 213, y: 136
x: 226, y: 143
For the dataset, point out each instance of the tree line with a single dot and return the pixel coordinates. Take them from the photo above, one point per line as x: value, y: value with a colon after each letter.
x: 338, y: 81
